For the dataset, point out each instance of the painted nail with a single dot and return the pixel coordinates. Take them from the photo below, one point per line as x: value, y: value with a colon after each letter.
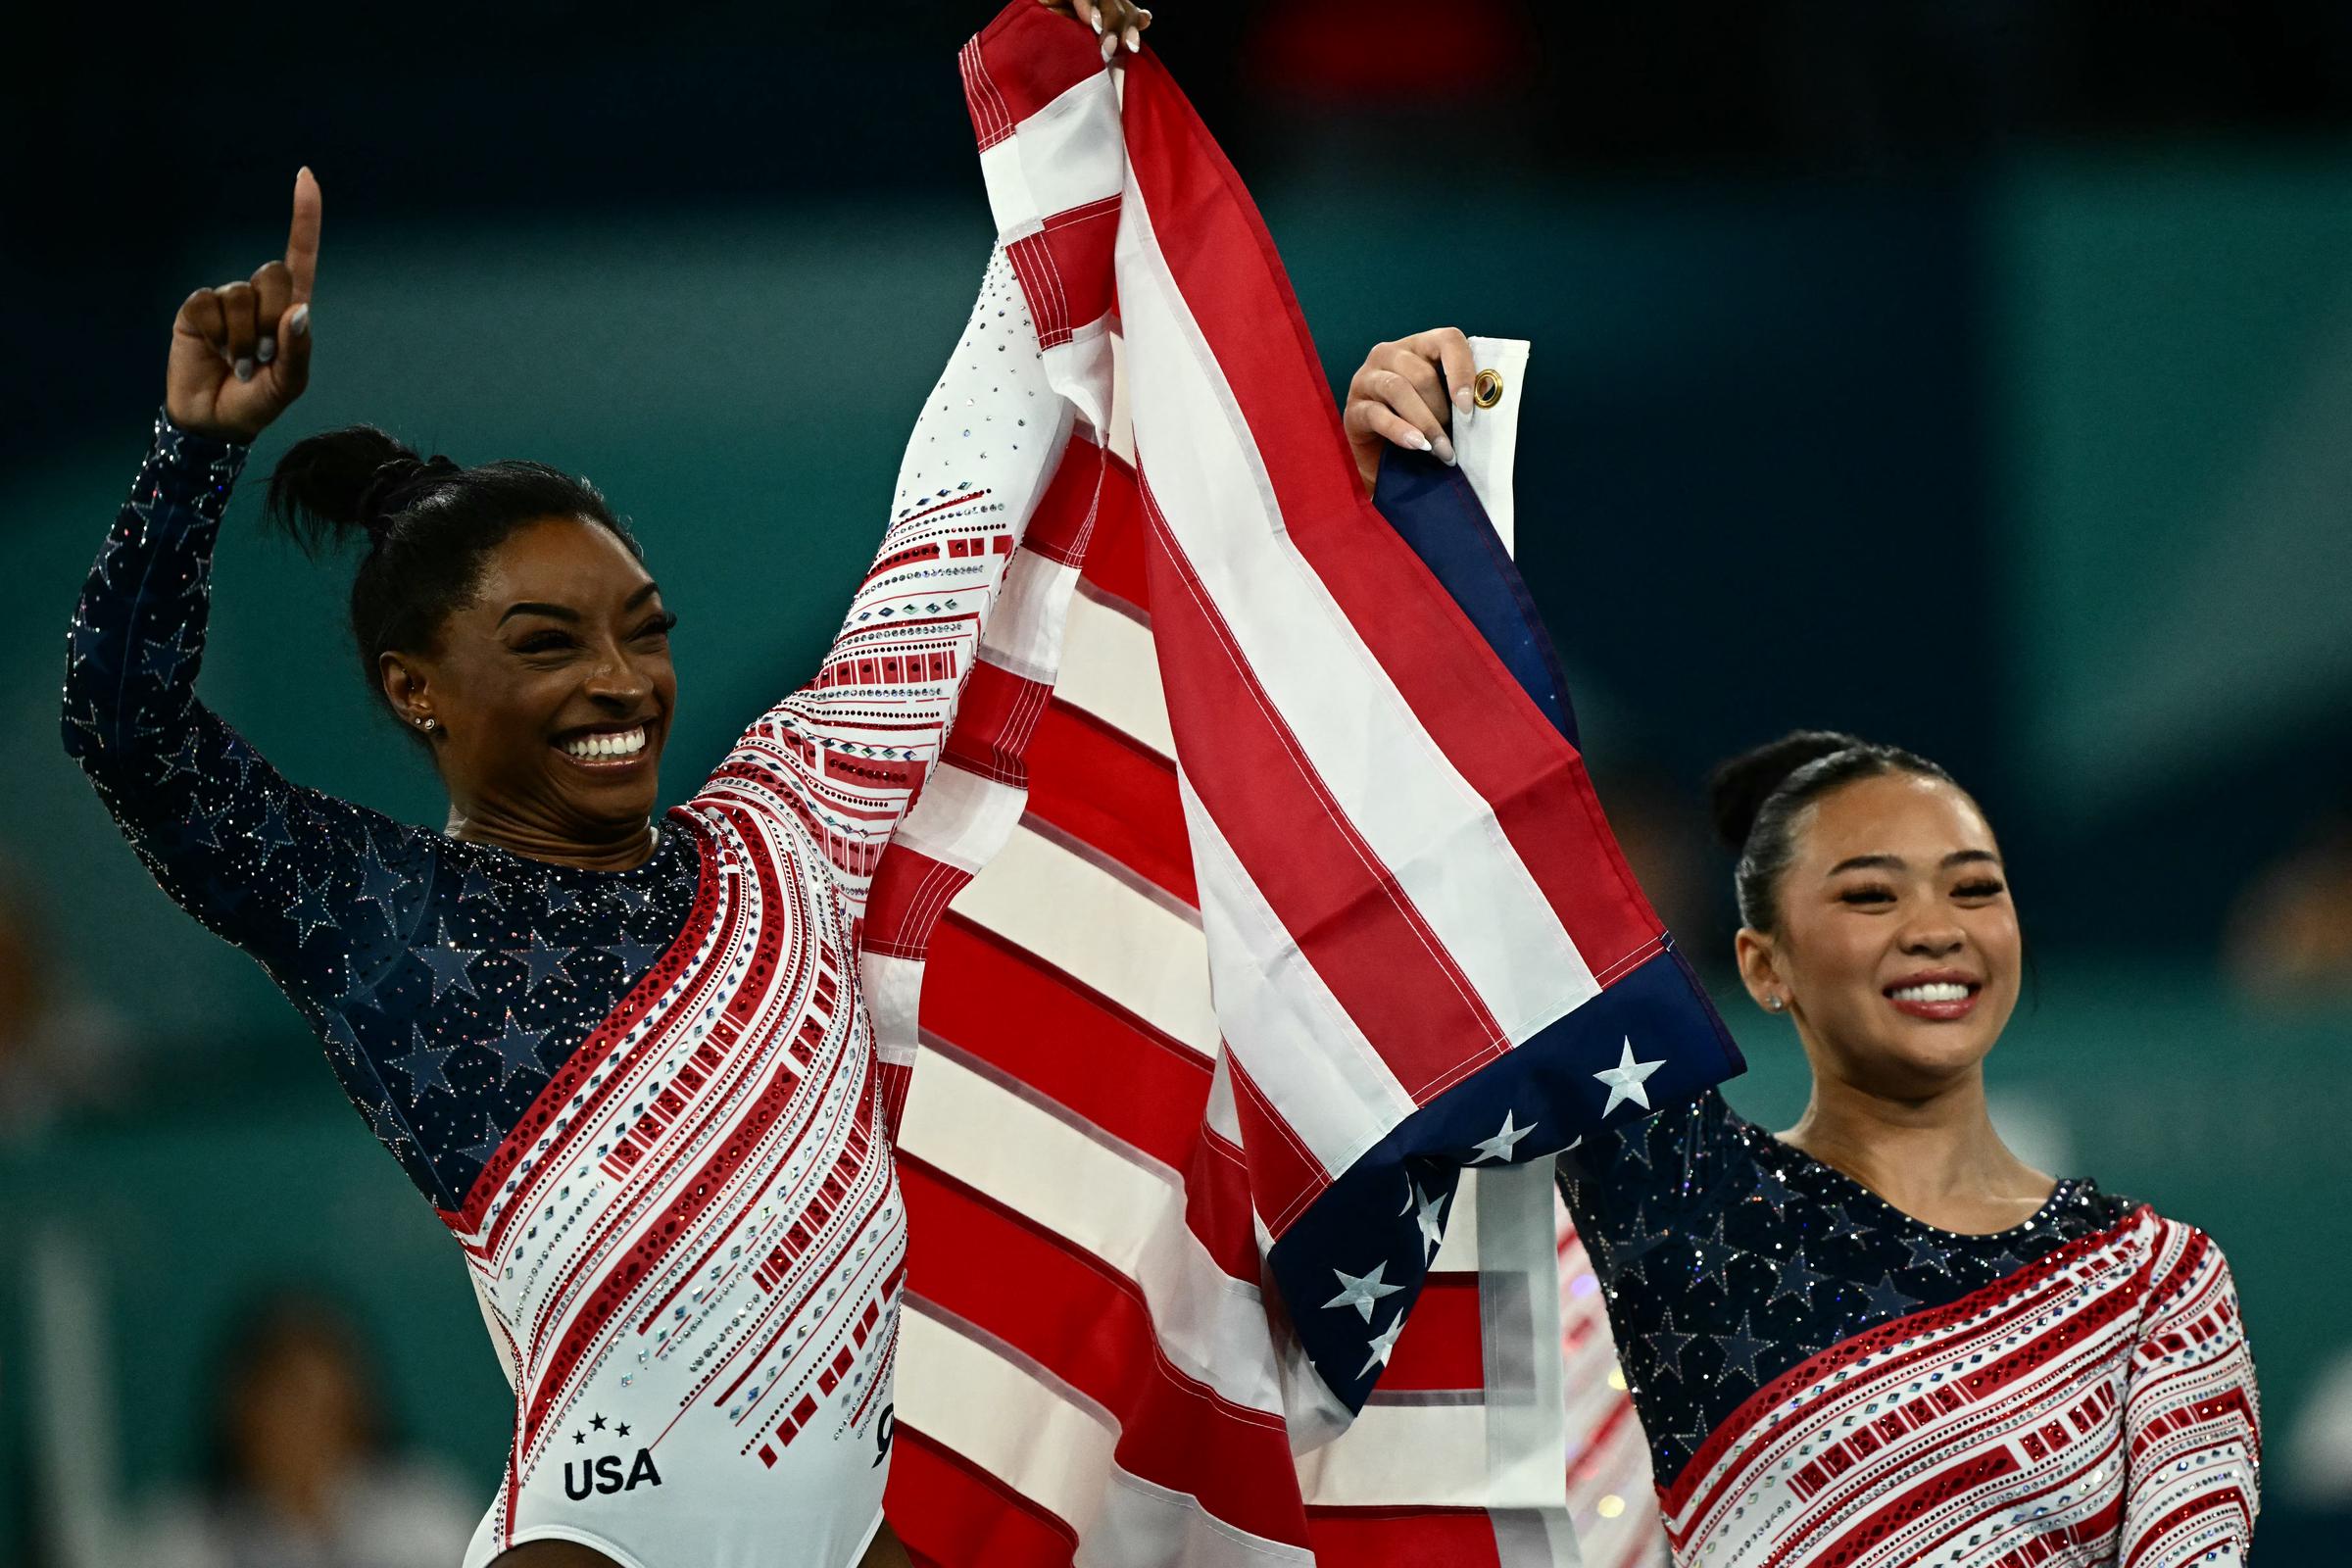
x: 1446, y: 452
x: 265, y: 350
x: 1420, y: 441
x: 300, y: 325
x: 245, y: 369
x: 1135, y: 39
x: 1095, y: 17
x: 1461, y: 398
x: 1110, y: 45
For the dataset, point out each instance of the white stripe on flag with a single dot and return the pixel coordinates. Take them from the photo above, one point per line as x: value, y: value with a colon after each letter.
x: 1099, y: 930
x: 1426, y: 824
x: 1281, y: 1022
x: 1110, y: 669
x: 1067, y: 154
x: 1129, y: 1214
x: 1025, y: 634
x: 1395, y: 1454
x: 960, y: 818
x: 997, y: 1414
x: 1144, y: 1525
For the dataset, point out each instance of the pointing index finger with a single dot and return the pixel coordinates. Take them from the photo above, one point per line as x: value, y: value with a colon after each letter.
x: 302, y: 236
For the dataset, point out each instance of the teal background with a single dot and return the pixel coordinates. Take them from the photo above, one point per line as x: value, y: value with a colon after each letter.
x: 2043, y: 472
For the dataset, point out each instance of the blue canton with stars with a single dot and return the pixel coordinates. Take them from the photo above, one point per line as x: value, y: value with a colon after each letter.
x: 1352, y: 1264
x: 1728, y: 1257
x: 447, y: 980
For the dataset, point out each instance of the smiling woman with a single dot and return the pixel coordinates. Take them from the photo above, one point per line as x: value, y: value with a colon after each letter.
x: 505, y: 614
x: 623, y: 1055
x: 1878, y: 1338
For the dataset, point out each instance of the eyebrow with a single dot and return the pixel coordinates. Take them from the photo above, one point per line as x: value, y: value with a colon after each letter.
x: 1896, y: 862
x: 534, y: 606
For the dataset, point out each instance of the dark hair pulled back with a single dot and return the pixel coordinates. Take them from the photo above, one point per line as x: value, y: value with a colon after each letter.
x: 1757, y: 795
x: 430, y: 525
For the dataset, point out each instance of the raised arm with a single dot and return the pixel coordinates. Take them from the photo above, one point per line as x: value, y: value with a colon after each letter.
x: 251, y: 856
x: 2192, y: 1433
x: 848, y: 751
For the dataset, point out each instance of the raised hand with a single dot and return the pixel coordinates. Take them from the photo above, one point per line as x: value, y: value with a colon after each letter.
x: 1115, y: 22
x: 1400, y: 396
x: 241, y: 353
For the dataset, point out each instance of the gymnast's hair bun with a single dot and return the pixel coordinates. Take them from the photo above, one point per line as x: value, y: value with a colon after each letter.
x: 1739, y: 788
x: 340, y: 482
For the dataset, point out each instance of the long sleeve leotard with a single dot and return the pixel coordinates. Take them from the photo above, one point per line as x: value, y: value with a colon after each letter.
x: 643, y: 1100
x: 1826, y: 1380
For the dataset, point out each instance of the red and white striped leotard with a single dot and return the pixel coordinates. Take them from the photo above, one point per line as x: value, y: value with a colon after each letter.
x: 689, y: 1251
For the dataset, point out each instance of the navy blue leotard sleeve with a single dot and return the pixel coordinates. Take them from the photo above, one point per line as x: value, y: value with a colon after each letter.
x: 262, y: 861
x: 285, y: 873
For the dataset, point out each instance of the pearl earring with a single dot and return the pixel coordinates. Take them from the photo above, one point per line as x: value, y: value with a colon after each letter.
x: 1775, y: 1004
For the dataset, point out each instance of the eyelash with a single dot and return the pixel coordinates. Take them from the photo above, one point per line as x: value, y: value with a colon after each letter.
x: 1983, y: 889
x: 550, y: 642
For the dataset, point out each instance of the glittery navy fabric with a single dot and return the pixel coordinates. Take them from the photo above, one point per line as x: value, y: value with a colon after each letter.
x: 1729, y: 1257
x: 447, y: 980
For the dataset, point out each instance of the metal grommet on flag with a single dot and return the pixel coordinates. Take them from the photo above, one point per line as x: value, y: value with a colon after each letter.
x: 1486, y: 388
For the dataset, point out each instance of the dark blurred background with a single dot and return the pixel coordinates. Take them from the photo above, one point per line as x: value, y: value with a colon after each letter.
x: 1973, y: 375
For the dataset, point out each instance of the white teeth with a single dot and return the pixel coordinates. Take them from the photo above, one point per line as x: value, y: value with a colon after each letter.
x: 627, y: 743
x: 1941, y: 991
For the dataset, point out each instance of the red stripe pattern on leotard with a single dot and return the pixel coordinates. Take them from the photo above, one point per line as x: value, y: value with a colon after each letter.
x: 2095, y: 1408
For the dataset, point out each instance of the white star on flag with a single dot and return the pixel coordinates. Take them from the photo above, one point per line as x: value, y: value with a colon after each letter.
x: 1433, y: 1228
x: 1498, y: 1147
x: 1626, y: 1078
x: 1384, y: 1344
x: 1360, y: 1291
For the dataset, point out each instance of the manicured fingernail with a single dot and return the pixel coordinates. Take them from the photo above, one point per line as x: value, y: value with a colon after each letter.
x: 1461, y: 398
x: 1420, y: 441
x: 1110, y: 46
x: 1135, y: 39
x: 265, y: 350
x: 1446, y: 452
x: 1097, y: 18
x: 245, y: 369
x: 300, y: 325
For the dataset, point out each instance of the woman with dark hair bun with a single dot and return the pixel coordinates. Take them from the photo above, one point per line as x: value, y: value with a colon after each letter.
x: 1879, y: 1337
x: 626, y: 1058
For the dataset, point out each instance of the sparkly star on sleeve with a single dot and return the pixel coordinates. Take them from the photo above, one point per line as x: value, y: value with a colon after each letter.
x: 849, y: 752
x: 272, y: 867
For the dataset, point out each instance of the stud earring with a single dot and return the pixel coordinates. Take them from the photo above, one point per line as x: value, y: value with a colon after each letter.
x: 428, y: 725
x: 1775, y: 1004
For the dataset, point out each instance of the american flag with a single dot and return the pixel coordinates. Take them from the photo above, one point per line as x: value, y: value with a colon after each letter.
x: 1301, y: 946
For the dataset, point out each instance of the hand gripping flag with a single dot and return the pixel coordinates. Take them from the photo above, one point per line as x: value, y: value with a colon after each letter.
x: 1301, y: 945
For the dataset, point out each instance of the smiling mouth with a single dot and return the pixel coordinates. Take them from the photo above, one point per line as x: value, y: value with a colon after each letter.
x: 1940, y: 1000
x: 608, y: 749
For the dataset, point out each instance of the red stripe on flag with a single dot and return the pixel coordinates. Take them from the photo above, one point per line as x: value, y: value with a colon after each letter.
x: 1114, y: 555
x: 1216, y: 1207
x: 1403, y: 1538
x: 1117, y: 797
x: 948, y: 1510
x: 1013, y: 1011
x: 993, y: 724
x: 1343, y: 907
x: 1284, y: 1174
x: 1059, y: 526
x: 1088, y: 1325
x: 1442, y: 1345
x: 908, y: 899
x: 1029, y: 57
x: 1225, y: 265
